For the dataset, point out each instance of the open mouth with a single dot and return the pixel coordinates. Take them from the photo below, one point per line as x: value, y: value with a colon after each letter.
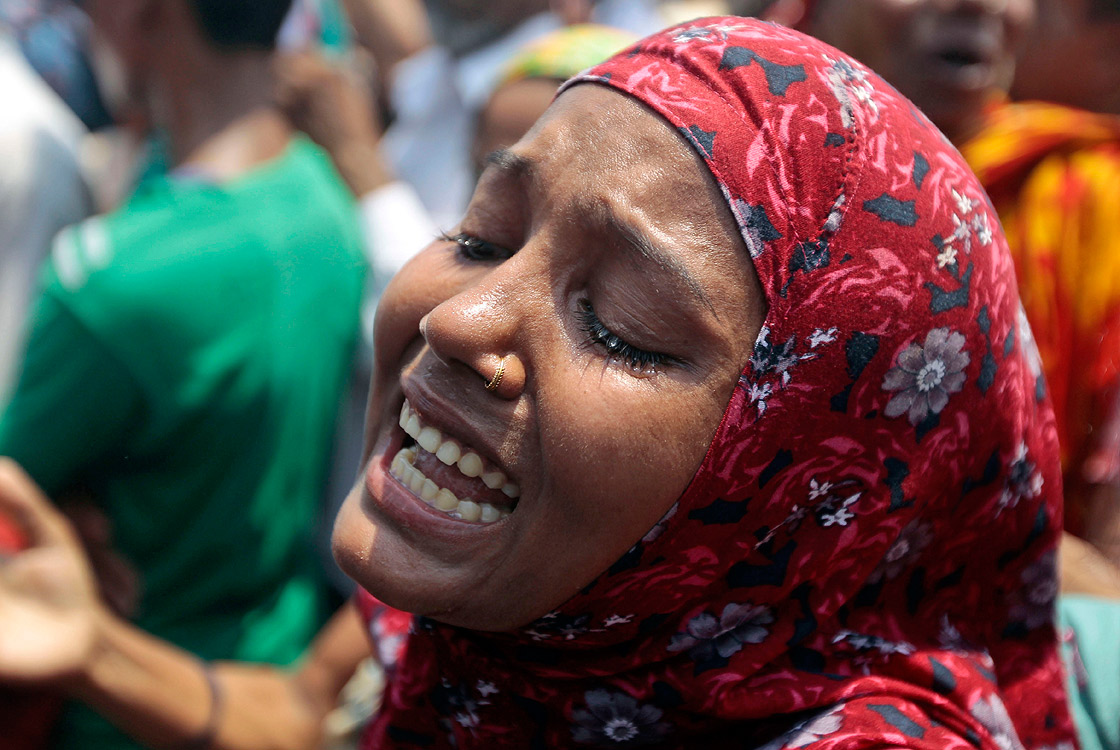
x: 966, y: 56
x: 960, y: 58
x: 449, y: 476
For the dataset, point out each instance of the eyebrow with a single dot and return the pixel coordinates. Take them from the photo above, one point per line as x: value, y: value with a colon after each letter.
x: 511, y: 163
x: 636, y: 239
x: 640, y: 241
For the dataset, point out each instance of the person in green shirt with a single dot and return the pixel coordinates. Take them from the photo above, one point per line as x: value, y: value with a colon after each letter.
x: 188, y: 352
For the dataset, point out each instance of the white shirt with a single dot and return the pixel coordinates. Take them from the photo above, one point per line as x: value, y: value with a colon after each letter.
x: 41, y: 191
x: 436, y: 99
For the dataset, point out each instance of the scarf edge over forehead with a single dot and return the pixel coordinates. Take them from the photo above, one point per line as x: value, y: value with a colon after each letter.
x: 871, y: 534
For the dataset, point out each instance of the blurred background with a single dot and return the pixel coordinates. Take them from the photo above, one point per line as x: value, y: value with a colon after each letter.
x: 141, y: 139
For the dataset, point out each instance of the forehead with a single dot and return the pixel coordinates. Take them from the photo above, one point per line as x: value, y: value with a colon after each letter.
x: 597, y: 147
x: 607, y: 126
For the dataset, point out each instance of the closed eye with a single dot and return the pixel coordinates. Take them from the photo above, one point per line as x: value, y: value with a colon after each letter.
x: 640, y: 361
x: 477, y: 249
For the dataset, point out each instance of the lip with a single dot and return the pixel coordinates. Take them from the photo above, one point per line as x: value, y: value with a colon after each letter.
x: 441, y: 413
x: 981, y: 47
x: 385, y: 495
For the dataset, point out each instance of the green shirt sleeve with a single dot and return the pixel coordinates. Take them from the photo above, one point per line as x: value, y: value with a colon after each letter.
x: 73, y: 405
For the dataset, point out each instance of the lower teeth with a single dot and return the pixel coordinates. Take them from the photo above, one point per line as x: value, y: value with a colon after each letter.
x: 403, y: 470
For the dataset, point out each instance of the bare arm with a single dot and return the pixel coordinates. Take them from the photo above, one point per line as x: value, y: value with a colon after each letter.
x: 392, y: 30
x: 1085, y: 570
x: 1101, y: 503
x: 330, y: 105
x: 55, y: 631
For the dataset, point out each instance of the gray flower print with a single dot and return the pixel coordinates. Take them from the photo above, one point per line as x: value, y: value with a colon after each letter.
x: 992, y: 714
x: 834, y: 510
x: 926, y: 376
x: 808, y: 732
x: 866, y: 642
x: 456, y: 702
x: 1023, y: 481
x: 1034, y: 601
x: 850, y: 86
x: 617, y: 720
x: 659, y: 529
x: 707, y: 637
x: 770, y: 358
x: 689, y: 34
x: 868, y: 649
x: 556, y: 625
x: 914, y: 538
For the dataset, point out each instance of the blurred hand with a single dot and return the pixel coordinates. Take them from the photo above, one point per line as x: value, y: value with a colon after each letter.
x: 49, y: 608
x: 572, y: 12
x: 1084, y: 570
x: 327, y: 101
x: 336, y: 110
x: 392, y: 30
x: 117, y: 579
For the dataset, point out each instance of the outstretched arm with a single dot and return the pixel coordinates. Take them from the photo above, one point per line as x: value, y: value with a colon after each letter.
x: 54, y: 631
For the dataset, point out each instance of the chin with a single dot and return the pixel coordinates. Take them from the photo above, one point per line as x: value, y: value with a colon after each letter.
x: 352, y: 541
x: 388, y: 569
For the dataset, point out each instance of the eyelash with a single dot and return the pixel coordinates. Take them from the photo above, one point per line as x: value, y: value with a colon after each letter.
x: 640, y: 361
x: 473, y: 248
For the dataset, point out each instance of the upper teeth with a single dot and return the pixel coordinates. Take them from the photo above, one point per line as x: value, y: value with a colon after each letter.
x: 451, y: 453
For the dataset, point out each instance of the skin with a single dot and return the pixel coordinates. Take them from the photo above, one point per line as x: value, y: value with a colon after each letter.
x: 390, y: 30
x: 510, y: 114
x: 1085, y: 42
x: 600, y: 451
x: 916, y: 45
x: 215, y: 105
x: 561, y: 397
x: 332, y: 107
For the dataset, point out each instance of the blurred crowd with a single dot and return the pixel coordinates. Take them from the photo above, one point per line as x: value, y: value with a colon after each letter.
x: 202, y: 201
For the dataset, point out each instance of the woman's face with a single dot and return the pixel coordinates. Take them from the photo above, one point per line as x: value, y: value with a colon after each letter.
x: 948, y: 56
x: 603, y: 268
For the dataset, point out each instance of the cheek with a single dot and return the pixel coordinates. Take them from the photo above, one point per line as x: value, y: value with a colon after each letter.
x: 427, y: 280
x: 624, y: 457
x: 1021, y: 18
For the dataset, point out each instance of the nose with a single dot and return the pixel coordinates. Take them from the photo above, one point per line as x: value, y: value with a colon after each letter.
x: 479, y: 329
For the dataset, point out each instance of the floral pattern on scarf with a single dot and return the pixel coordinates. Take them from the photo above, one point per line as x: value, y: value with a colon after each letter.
x: 864, y: 558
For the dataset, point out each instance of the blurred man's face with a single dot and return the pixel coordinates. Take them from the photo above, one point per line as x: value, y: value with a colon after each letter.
x: 117, y: 51
x: 112, y: 20
x: 501, y: 12
x: 948, y: 56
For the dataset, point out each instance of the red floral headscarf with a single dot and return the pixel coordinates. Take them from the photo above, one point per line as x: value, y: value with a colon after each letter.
x: 865, y: 557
